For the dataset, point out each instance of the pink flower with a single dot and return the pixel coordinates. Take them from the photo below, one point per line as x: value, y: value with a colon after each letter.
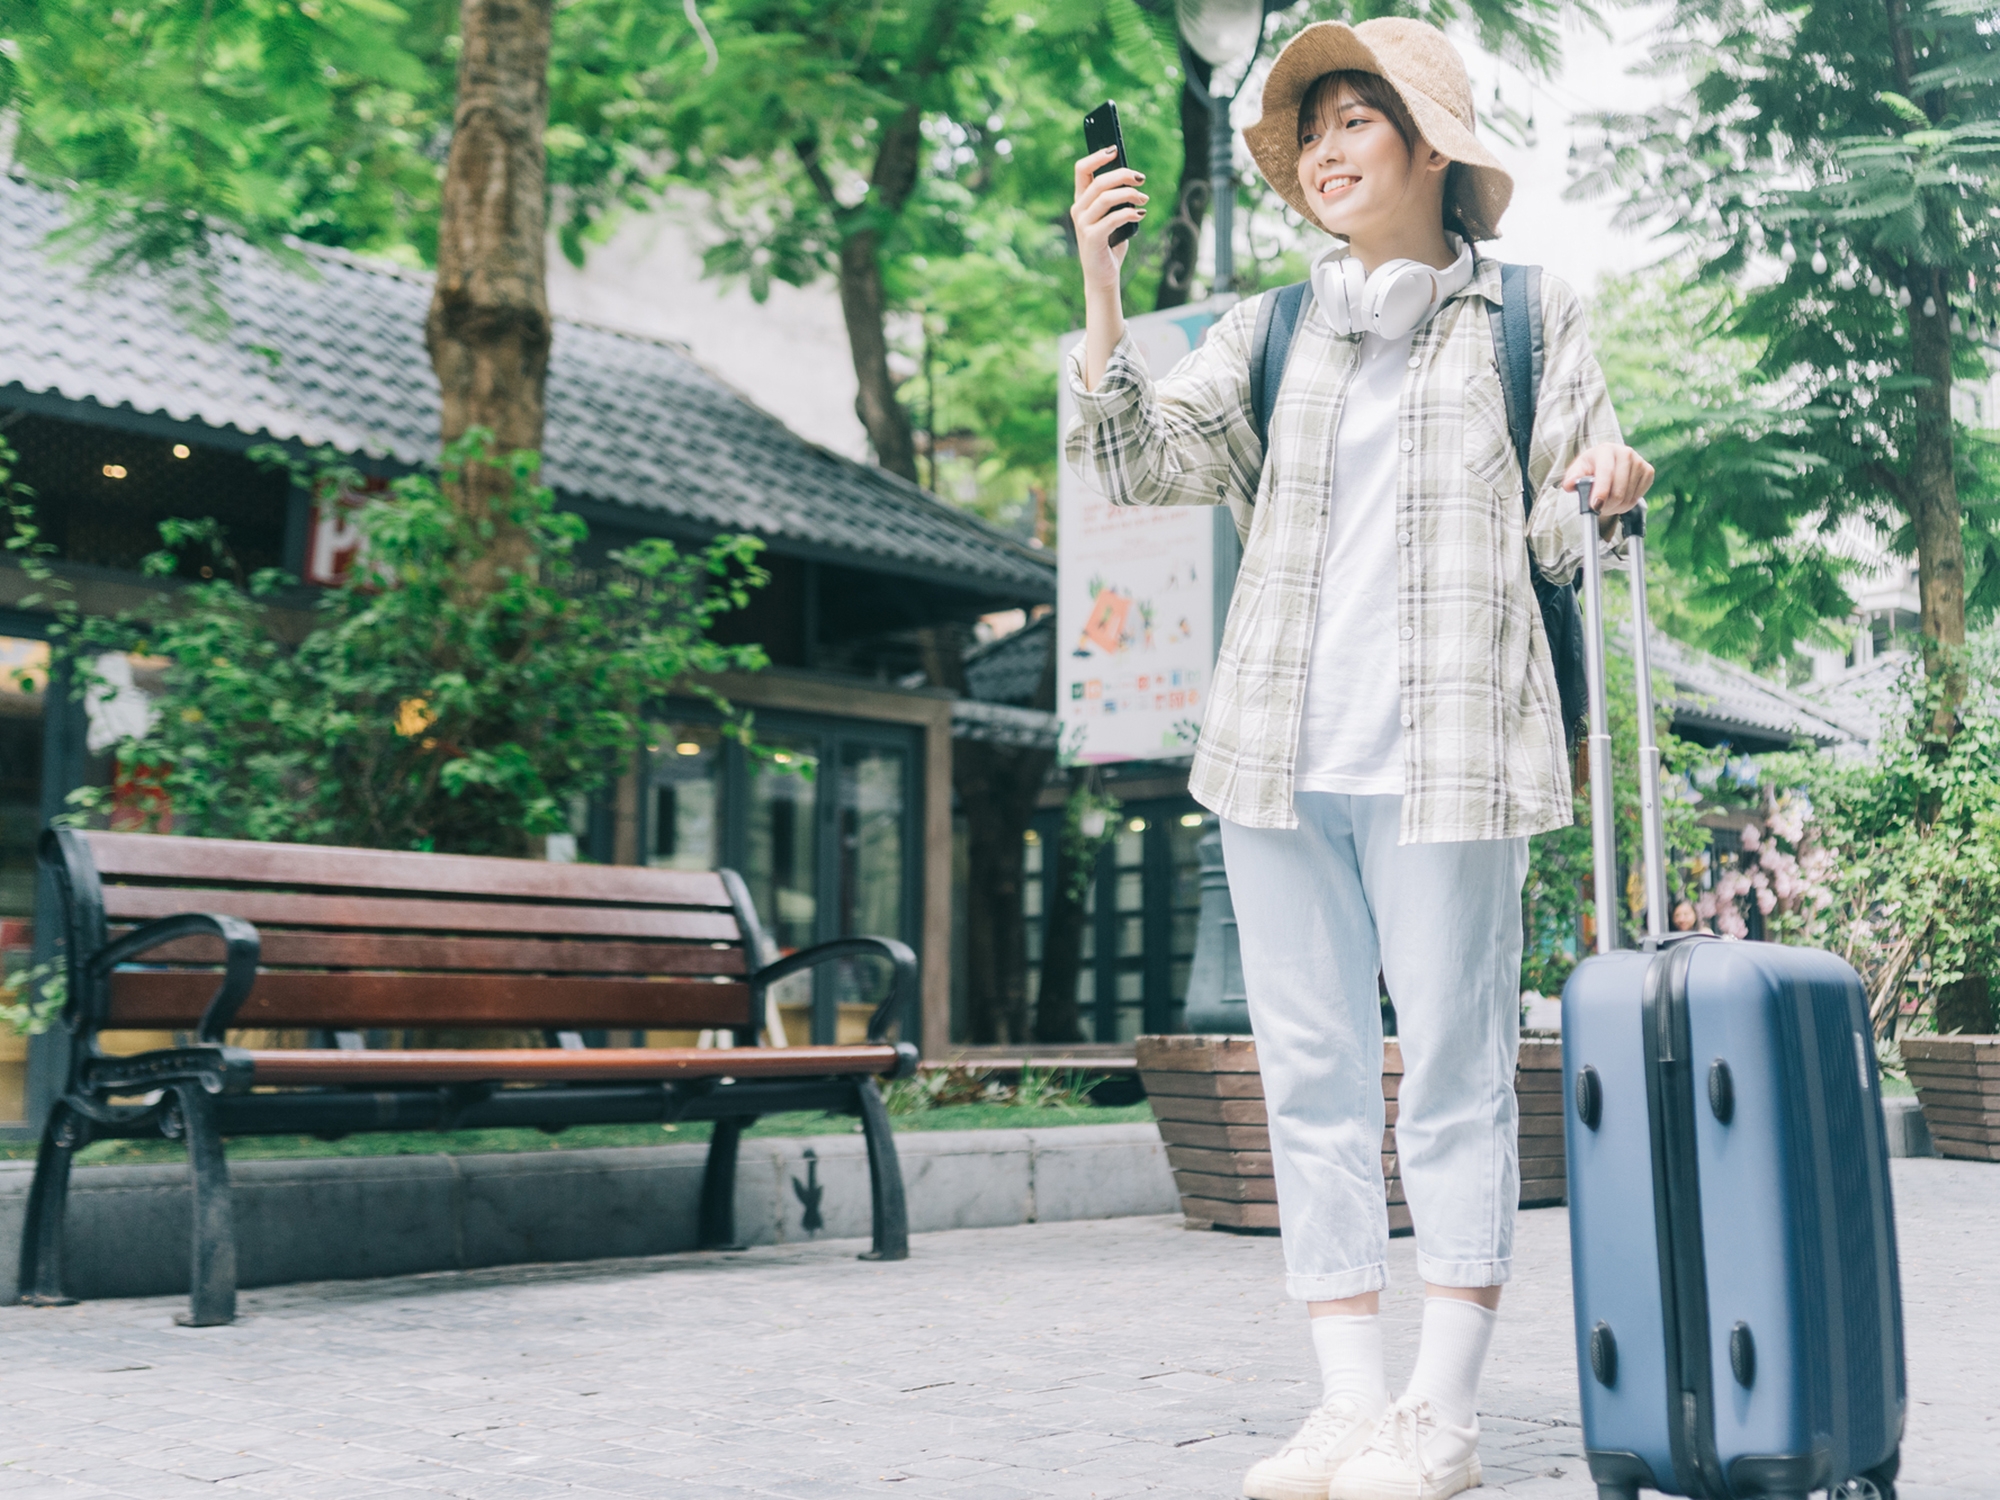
x: 1751, y: 838
x: 1705, y: 907
x: 1766, y: 901
x: 1729, y: 923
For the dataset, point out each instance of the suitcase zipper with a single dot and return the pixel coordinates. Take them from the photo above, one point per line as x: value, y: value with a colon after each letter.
x: 1670, y: 1109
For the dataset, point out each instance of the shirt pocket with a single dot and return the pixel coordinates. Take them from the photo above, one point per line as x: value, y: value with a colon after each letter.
x: 1487, y: 447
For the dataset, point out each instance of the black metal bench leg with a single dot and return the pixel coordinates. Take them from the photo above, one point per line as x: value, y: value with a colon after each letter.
x: 717, y: 1226
x: 212, y: 1298
x: 885, y: 1179
x: 41, y: 1283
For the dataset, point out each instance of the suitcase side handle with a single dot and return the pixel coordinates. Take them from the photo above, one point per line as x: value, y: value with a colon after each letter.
x: 1603, y: 832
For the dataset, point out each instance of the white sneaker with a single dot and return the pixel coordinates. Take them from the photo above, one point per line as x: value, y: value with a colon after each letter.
x: 1301, y: 1469
x: 1411, y: 1455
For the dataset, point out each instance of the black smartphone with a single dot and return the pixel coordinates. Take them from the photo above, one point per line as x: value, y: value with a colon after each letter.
x: 1100, y: 129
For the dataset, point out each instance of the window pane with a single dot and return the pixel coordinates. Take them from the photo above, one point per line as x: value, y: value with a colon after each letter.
x: 1131, y: 984
x: 871, y: 841
x: 1131, y: 936
x: 870, y: 811
x: 1131, y: 890
x: 684, y: 824
x: 1183, y: 840
x: 1031, y: 895
x: 780, y: 868
x: 1132, y: 843
x: 1130, y: 1019
x: 1185, y: 925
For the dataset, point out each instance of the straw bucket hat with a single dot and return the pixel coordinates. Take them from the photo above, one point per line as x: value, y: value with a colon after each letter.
x: 1429, y: 75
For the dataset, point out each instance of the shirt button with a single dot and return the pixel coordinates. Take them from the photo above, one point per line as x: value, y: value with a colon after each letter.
x: 1406, y: 721
x: 1416, y: 360
x: 1403, y: 537
x: 1408, y: 445
x: 1408, y: 631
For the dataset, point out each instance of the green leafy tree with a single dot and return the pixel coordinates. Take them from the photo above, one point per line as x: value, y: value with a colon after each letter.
x: 1914, y: 840
x: 406, y: 718
x: 1746, y: 582
x: 1838, y: 162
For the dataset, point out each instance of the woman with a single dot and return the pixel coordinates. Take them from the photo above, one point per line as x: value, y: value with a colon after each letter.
x: 1384, y: 731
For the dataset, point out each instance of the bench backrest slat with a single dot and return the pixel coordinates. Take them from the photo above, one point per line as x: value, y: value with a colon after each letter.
x: 168, y: 999
x: 121, y: 856
x: 378, y: 938
x: 397, y: 914
x: 383, y: 950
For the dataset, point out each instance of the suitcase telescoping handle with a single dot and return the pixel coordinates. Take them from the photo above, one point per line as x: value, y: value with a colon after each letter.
x: 1603, y: 831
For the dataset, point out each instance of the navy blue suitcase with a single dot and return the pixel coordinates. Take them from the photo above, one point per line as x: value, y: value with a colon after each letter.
x: 1738, y: 1318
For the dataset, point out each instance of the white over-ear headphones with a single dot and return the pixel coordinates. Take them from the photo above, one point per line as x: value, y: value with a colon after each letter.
x: 1396, y: 300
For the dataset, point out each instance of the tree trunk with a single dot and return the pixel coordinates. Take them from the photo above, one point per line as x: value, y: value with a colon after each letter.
x: 1933, y: 489
x: 1057, y: 1018
x: 1933, y: 486
x: 488, y: 331
x: 1191, y: 202
x: 863, y: 303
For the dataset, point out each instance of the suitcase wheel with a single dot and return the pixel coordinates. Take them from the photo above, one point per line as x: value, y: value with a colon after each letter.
x: 1863, y: 1487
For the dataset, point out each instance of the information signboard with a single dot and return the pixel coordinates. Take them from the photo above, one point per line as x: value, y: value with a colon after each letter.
x: 1141, y: 591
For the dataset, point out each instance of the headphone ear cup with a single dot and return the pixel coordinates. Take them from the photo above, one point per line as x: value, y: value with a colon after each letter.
x: 1343, y: 290
x: 1401, y: 294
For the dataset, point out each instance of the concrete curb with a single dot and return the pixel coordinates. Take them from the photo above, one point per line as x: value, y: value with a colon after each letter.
x: 344, y: 1218
x: 1903, y: 1120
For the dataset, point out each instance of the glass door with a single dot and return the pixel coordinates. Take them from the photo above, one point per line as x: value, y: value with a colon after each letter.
x: 822, y: 822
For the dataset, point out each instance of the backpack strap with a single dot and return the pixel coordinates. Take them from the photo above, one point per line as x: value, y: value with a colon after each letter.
x: 1278, y: 319
x: 1517, y: 350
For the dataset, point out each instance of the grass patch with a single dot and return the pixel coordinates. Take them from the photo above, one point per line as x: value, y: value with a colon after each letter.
x: 584, y: 1137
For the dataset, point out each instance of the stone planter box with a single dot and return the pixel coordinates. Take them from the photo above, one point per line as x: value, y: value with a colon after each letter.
x: 1957, y: 1079
x: 1209, y: 1101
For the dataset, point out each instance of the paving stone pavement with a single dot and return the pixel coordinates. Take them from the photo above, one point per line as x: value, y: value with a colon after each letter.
x: 1078, y: 1361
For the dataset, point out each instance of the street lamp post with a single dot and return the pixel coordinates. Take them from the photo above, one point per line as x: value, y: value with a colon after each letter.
x: 1222, y: 32
x: 1219, y: 32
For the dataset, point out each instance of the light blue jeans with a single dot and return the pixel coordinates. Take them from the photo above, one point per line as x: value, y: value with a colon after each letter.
x: 1319, y: 910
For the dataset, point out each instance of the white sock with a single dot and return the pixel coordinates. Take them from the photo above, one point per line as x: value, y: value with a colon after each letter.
x: 1350, y: 1358
x: 1449, y: 1359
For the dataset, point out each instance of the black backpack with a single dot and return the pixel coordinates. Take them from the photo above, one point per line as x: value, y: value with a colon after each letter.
x: 1517, y: 350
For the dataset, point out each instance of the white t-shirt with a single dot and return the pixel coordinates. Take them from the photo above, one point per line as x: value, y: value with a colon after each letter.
x: 1351, y: 734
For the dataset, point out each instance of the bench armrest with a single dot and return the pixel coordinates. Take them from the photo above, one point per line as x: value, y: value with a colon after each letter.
x: 902, y: 984
x: 242, y: 951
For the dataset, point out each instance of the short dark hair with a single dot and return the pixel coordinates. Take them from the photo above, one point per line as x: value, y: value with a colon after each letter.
x: 1378, y: 94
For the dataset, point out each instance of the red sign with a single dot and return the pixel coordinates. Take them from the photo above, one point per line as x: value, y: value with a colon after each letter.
x: 333, y: 543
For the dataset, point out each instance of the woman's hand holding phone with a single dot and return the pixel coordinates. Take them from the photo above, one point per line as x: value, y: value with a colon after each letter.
x: 1102, y: 205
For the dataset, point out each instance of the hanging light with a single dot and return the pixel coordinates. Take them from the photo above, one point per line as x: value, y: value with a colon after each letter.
x: 1930, y: 307
x: 1788, y: 253
x: 1220, y: 31
x: 1818, y: 261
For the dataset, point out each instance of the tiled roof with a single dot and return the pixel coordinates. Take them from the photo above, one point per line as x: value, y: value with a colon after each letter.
x: 1868, y: 695
x: 1722, y: 697
x: 1010, y: 669
x: 336, y: 357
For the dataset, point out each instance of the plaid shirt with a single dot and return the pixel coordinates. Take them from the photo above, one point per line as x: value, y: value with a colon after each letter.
x: 1483, y: 753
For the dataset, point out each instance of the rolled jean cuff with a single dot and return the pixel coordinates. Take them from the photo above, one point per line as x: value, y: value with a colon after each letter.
x: 1469, y: 1274
x: 1337, y: 1286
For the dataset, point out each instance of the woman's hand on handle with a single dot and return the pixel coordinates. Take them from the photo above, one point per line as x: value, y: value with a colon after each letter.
x: 1102, y: 205
x: 1619, y: 478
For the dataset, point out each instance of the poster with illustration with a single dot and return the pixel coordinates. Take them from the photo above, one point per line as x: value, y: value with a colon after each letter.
x: 1136, y: 619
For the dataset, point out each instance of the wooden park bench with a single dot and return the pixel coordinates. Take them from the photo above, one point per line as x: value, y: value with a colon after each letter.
x: 212, y: 936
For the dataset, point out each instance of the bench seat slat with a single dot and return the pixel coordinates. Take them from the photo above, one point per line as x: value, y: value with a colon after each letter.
x: 377, y: 950
x: 556, y: 1065
x: 166, y: 999
x: 148, y: 856
x: 288, y: 909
